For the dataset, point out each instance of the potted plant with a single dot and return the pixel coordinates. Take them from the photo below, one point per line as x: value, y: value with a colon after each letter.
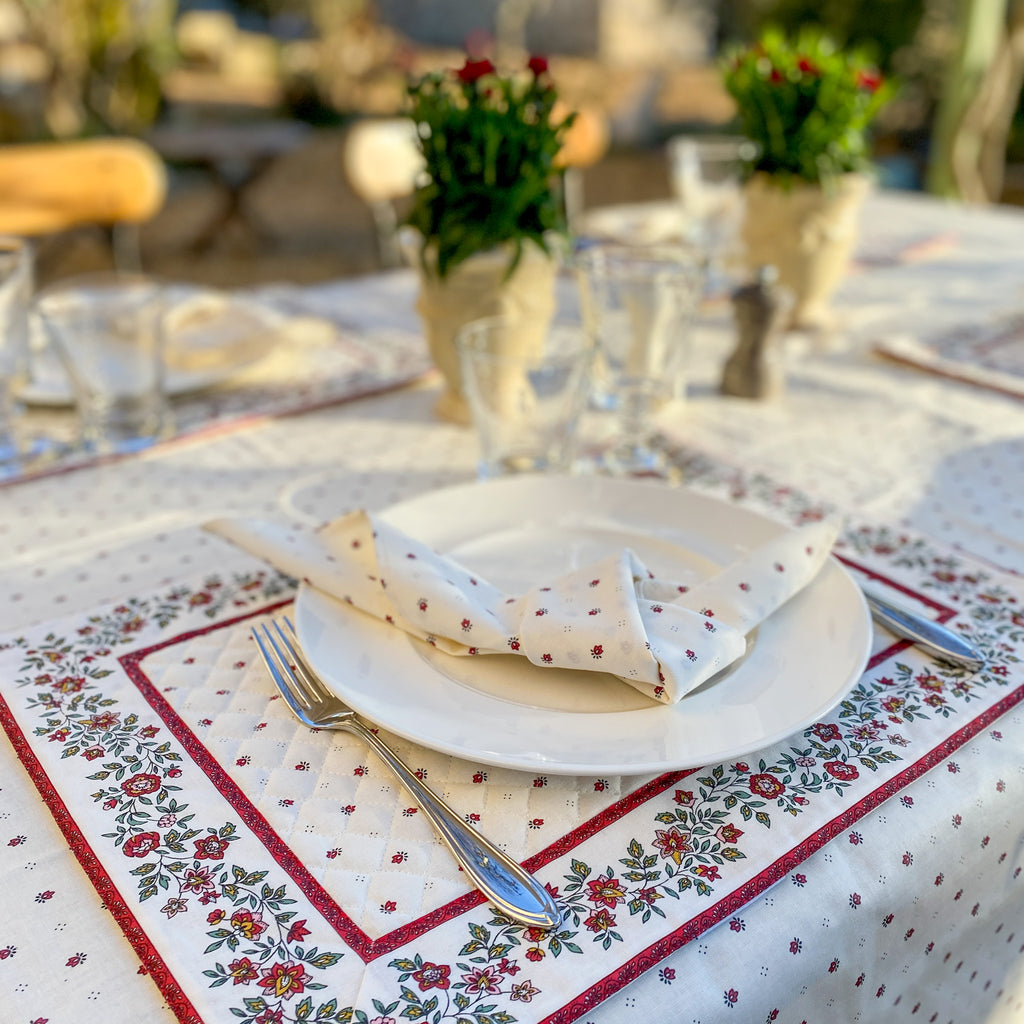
x: 490, y: 207
x: 807, y: 106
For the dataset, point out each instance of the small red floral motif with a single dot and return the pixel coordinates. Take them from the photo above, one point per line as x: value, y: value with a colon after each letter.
x: 606, y: 891
x: 541, y: 611
x: 744, y: 586
x: 826, y: 732
x: 210, y: 848
x: 841, y: 770
x: 388, y: 907
x: 779, y: 567
x: 547, y: 659
x: 514, y: 643
x: 248, y: 923
x: 479, y: 777
x: 765, y: 785
x: 594, y: 583
x: 432, y: 976
x: 298, y: 931
x: 285, y: 980
x: 599, y: 921
x: 597, y: 611
x: 596, y: 651
x: 141, y: 845
x: 242, y: 971
x: 422, y: 605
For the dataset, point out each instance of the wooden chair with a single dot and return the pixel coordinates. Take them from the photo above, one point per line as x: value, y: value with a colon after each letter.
x: 51, y: 187
x: 585, y: 143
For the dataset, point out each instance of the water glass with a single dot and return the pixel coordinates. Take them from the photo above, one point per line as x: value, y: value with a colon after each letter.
x: 526, y: 391
x: 706, y: 171
x: 107, y: 330
x: 639, y: 303
x: 15, y: 295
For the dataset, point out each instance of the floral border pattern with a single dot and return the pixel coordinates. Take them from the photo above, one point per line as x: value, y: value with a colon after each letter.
x: 693, y: 842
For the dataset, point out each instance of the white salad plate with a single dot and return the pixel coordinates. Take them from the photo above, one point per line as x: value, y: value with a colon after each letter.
x: 501, y: 710
x: 210, y: 336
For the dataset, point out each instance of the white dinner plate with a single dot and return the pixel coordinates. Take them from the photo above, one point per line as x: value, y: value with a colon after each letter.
x: 502, y: 710
x: 210, y: 337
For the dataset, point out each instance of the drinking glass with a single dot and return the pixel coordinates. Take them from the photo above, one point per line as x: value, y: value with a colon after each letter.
x: 706, y: 171
x: 107, y: 330
x: 15, y: 295
x: 638, y: 304
x: 525, y: 391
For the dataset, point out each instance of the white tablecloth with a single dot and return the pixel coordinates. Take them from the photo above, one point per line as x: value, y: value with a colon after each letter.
x: 913, y: 911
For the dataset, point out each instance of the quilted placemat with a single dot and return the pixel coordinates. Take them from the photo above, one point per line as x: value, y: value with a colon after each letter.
x: 263, y: 871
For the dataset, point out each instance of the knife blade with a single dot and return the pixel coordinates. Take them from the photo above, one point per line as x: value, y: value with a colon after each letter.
x: 943, y: 643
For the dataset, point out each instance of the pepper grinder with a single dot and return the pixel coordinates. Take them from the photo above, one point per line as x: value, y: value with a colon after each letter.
x: 755, y: 368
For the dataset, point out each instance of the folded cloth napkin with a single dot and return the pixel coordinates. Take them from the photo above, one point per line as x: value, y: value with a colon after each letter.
x: 612, y: 615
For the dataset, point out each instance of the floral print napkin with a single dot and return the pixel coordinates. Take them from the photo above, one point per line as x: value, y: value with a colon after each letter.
x: 612, y: 615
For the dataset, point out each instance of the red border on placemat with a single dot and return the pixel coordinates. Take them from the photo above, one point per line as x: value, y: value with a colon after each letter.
x: 151, y: 959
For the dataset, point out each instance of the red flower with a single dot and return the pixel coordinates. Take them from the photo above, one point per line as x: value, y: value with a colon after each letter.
x: 671, y: 843
x: 535, y: 953
x: 475, y: 69
x: 285, y: 980
x: 250, y: 923
x: 607, y: 891
x: 765, y: 785
x: 242, y: 970
x: 599, y: 921
x: 92, y: 753
x: 826, y: 732
x: 215, y: 916
x: 141, y: 784
x: 141, y: 845
x: 433, y: 975
x: 538, y: 65
x: 210, y: 848
x: 870, y: 80
x: 708, y: 871
x: 841, y: 770
x: 298, y: 931
x: 729, y: 833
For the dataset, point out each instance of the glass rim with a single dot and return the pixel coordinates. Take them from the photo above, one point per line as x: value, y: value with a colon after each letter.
x: 467, y: 340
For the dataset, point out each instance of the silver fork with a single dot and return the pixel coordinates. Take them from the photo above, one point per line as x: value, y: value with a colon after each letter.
x: 513, y: 890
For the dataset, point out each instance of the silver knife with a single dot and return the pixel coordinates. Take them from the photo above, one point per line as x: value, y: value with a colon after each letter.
x: 942, y: 642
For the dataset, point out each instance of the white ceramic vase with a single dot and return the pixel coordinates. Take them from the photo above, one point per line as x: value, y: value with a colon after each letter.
x: 807, y: 232
x: 479, y: 287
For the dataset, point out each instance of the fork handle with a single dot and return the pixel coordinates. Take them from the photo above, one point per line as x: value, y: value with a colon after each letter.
x: 512, y: 889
